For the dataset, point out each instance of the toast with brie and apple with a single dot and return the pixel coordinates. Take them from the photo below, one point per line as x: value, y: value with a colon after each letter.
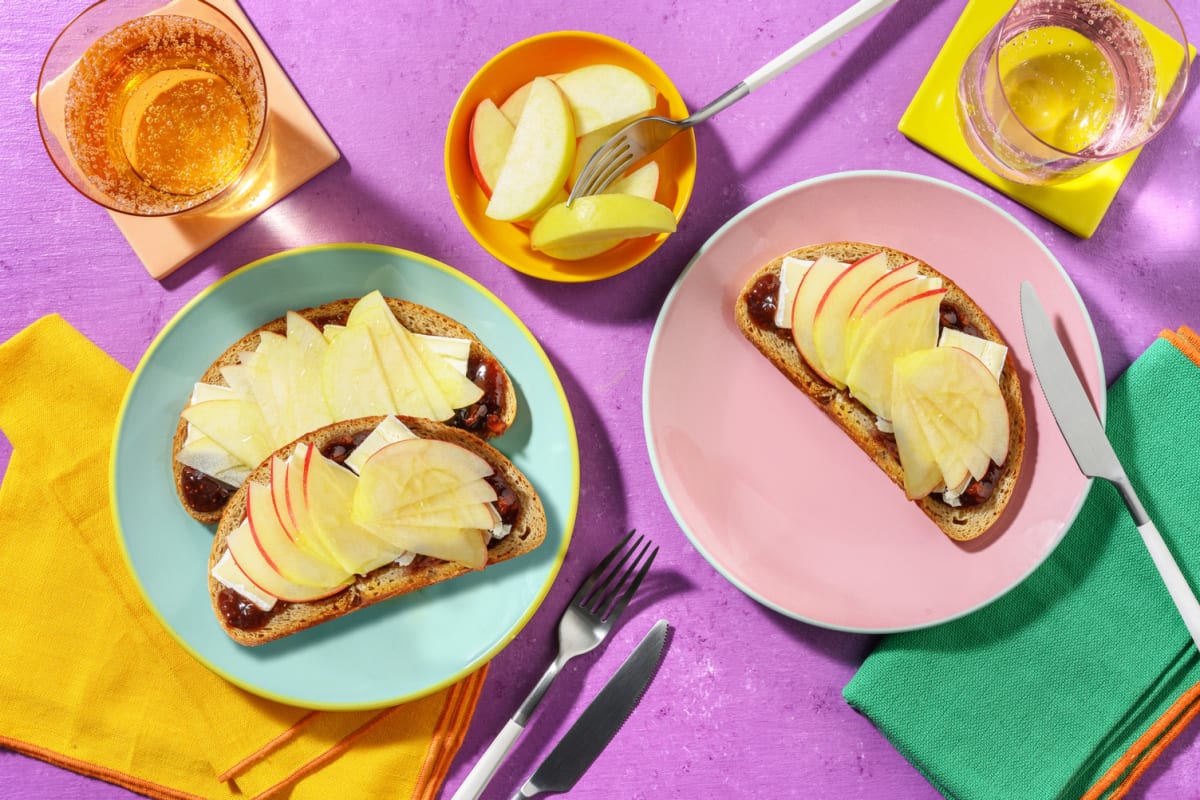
x: 346, y: 359
x: 906, y: 363
x: 359, y: 512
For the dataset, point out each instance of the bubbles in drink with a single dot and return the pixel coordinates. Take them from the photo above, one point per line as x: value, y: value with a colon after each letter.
x: 164, y: 112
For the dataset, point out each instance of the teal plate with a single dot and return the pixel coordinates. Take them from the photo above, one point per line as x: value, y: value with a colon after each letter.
x: 391, y: 652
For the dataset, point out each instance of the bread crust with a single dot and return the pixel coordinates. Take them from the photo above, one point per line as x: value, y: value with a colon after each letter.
x: 528, y: 531
x: 413, y: 316
x: 962, y: 523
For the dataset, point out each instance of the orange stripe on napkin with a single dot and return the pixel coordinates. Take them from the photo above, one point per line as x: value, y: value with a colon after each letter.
x: 451, y: 729
x: 1124, y: 773
x: 1186, y: 341
x: 258, y: 755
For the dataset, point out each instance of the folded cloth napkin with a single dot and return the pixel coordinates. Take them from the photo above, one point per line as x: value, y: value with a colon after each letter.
x: 92, y: 682
x: 1070, y: 684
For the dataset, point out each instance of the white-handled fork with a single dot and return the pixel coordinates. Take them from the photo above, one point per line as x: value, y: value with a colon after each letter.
x: 589, y: 617
x: 643, y: 136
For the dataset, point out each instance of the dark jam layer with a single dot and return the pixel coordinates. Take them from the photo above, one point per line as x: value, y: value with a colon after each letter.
x: 203, y: 493
x: 486, y: 416
x: 761, y: 303
x: 242, y: 614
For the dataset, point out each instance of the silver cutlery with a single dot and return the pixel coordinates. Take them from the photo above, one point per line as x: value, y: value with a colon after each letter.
x: 589, y: 617
x: 1090, y: 445
x: 600, y: 721
x: 643, y: 136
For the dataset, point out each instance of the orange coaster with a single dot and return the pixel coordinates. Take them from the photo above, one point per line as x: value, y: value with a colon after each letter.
x: 931, y: 121
x: 298, y: 149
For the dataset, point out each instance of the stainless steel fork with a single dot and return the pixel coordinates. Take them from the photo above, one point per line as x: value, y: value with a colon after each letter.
x: 643, y: 136
x: 599, y: 602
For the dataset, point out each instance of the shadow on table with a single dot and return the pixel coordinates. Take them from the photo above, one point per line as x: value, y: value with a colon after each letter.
x: 846, y: 648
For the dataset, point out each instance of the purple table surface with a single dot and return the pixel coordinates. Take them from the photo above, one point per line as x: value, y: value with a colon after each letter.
x: 748, y: 703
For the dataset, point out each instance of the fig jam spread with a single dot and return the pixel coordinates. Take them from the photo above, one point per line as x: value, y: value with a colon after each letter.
x: 486, y: 415
x: 240, y: 613
x: 762, y: 300
x: 203, y: 493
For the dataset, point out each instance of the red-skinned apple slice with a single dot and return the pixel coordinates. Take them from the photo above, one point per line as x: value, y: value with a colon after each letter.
x: 279, y: 497
x: 407, y: 472
x: 539, y: 158
x: 883, y: 283
x: 833, y: 312
x: 860, y: 323
x: 282, y: 554
x: 297, y: 504
x: 490, y: 136
x: 958, y: 385
x: 250, y: 561
x: 329, y: 495
x: 910, y: 326
x: 812, y: 288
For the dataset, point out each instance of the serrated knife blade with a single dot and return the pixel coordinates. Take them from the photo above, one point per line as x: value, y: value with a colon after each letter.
x: 1089, y: 444
x: 601, y: 720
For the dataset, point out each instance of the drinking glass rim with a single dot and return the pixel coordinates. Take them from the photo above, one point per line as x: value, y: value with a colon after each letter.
x: 1178, y: 89
x: 253, y: 158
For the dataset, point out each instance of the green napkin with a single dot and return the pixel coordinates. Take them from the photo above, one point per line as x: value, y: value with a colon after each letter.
x: 1035, y: 695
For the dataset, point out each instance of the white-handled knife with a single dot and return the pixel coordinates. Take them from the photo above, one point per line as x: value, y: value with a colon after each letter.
x: 600, y: 721
x: 1092, y: 450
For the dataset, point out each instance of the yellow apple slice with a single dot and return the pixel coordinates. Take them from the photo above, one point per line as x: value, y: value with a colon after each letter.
x: 959, y: 386
x: 514, y: 104
x: 605, y: 94
x: 812, y: 287
x: 539, y: 158
x: 279, y: 550
x: 252, y: 564
x: 599, y: 218
x: 476, y: 492
x: 236, y: 425
x: 833, y: 313
x: 490, y: 136
x: 910, y: 326
x: 401, y: 474
x: 329, y: 495
x: 642, y: 182
x: 861, y: 322
x: 959, y: 449
x: 466, y: 546
x: 306, y: 350
x: 352, y: 377
x: 407, y: 380
x: 921, y: 472
x: 205, y: 455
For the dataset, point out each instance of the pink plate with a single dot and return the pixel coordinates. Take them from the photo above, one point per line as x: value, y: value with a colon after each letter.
x: 773, y: 494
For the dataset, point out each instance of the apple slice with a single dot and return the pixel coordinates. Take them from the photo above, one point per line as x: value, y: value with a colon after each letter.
x: 279, y: 497
x: 642, y: 182
x: 300, y: 520
x: 410, y: 471
x: 599, y: 218
x: 406, y: 378
x: 466, y: 546
x: 329, y: 495
x: 352, y: 377
x: 539, y: 158
x: 886, y: 281
x: 812, y: 287
x: 279, y: 550
x: 514, y: 104
x: 943, y: 433
x: 833, y: 312
x: 861, y: 322
x: 958, y: 385
x: 605, y: 94
x: 250, y: 560
x: 472, y: 493
x: 490, y: 136
x: 910, y: 326
x: 306, y: 351
x: 236, y: 425
x: 587, y: 145
x: 205, y: 455
x: 921, y: 472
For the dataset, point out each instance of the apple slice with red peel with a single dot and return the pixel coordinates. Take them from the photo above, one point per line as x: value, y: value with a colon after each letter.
x: 883, y: 283
x: 279, y: 498
x: 250, y: 560
x: 861, y: 322
x: 958, y: 385
x: 833, y: 312
x: 816, y: 281
x: 488, y: 140
x: 921, y: 472
x: 403, y: 473
x: 282, y: 554
x: 910, y: 326
x: 539, y: 158
x: 297, y: 504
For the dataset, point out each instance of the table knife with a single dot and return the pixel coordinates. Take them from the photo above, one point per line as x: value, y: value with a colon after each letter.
x: 600, y: 721
x: 1090, y: 445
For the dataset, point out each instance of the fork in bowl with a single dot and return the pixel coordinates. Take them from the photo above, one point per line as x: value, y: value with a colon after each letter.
x: 643, y: 136
x: 589, y: 617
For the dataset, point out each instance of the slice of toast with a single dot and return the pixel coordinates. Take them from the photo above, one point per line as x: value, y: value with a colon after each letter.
x: 961, y: 523
x: 528, y: 531
x: 482, y: 419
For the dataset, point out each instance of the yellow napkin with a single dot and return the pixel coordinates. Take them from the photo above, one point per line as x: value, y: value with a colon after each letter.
x: 92, y: 682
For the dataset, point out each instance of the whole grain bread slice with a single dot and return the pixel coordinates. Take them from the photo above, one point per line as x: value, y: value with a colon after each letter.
x: 528, y: 531
x: 960, y: 523
x: 413, y: 316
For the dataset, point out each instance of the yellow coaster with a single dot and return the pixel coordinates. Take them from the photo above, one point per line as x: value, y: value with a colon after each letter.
x: 931, y: 121
x: 298, y: 149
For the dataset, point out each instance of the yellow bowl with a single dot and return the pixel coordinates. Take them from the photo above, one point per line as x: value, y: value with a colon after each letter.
x: 548, y: 54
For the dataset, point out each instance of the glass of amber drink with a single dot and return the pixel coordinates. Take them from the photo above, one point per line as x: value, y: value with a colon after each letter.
x: 153, y: 107
x: 1060, y: 87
